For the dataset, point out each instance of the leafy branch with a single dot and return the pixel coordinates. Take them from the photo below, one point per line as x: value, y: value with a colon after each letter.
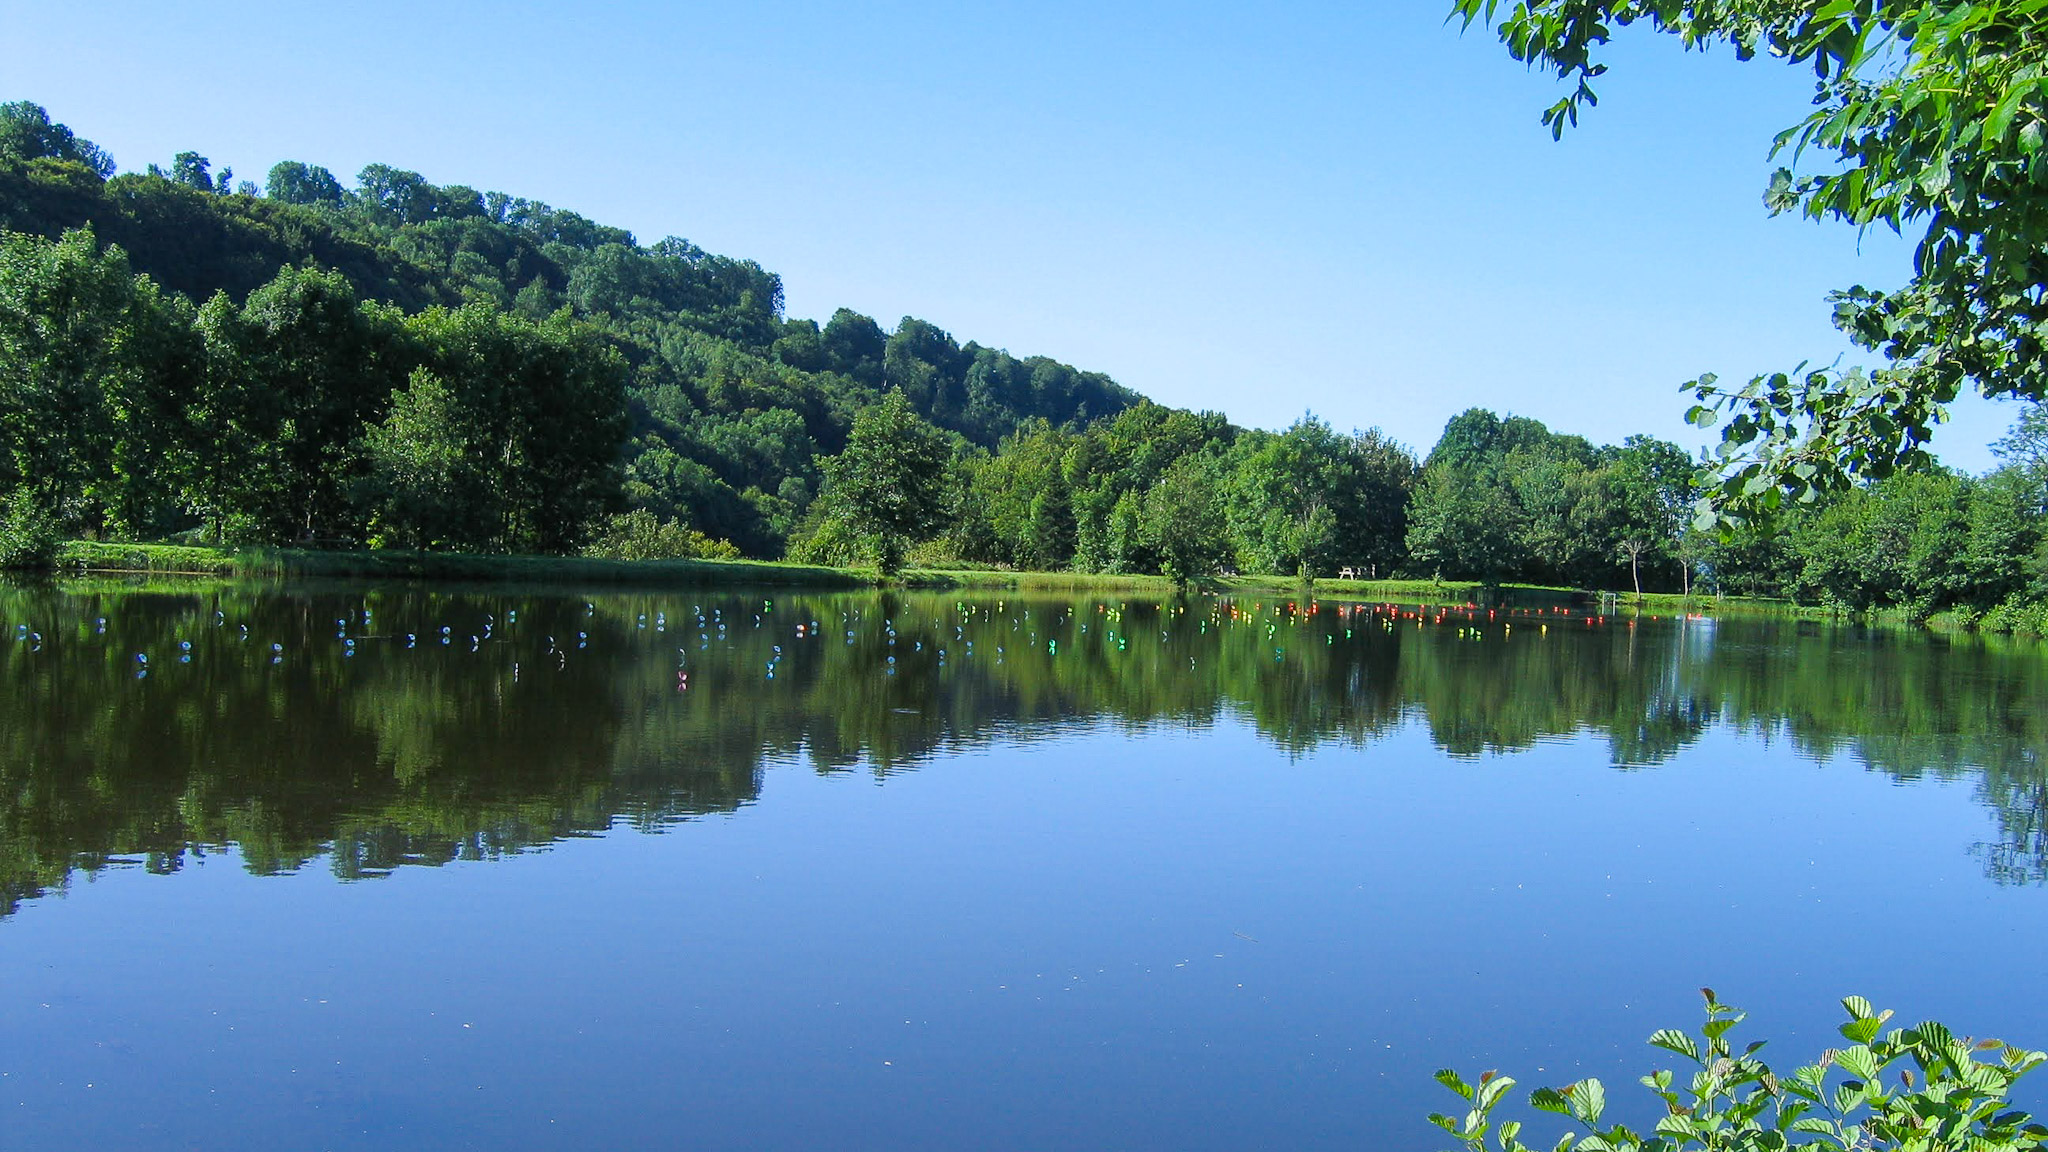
x: 1920, y: 1089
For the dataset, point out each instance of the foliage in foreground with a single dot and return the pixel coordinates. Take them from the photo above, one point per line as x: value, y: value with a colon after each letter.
x: 1945, y: 1094
x: 1928, y: 114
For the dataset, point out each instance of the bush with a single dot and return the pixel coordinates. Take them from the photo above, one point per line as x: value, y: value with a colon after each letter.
x: 637, y: 535
x: 1917, y: 1088
x: 827, y: 540
x: 28, y: 532
x: 2018, y: 616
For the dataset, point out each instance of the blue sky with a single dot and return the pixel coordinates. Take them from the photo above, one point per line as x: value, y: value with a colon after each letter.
x: 1349, y: 209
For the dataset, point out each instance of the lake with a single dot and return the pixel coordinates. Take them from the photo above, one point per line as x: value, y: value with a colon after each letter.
x: 362, y: 867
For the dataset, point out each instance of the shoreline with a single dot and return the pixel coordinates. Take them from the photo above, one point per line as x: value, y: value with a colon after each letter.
x: 192, y: 561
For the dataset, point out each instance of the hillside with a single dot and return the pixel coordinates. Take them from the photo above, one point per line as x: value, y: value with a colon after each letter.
x: 727, y: 402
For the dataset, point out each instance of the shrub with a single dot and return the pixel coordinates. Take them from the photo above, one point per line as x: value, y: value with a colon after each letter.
x: 1920, y: 1089
x: 28, y: 532
x: 2019, y: 616
x: 637, y: 535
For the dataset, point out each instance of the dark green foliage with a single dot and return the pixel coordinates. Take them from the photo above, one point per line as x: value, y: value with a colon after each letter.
x: 291, y: 182
x: 96, y: 366
x: 294, y: 375
x: 1464, y: 525
x: 521, y: 423
x: 1510, y: 499
x: 26, y: 134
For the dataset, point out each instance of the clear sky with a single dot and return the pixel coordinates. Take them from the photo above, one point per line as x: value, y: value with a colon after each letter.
x: 1259, y: 209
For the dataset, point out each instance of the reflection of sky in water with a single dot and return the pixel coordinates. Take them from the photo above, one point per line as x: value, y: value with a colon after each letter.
x: 1118, y: 903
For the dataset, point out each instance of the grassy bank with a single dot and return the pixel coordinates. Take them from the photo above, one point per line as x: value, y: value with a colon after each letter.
x: 285, y: 563
x: 168, y: 559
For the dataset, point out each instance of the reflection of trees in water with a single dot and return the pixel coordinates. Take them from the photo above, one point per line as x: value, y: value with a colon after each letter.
x: 395, y: 756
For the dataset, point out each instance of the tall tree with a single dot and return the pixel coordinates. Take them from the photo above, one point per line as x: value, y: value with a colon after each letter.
x: 294, y: 374
x: 886, y: 487
x: 1652, y: 483
x: 96, y: 368
x: 1183, y: 521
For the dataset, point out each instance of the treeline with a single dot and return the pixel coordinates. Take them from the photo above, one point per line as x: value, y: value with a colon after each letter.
x: 404, y: 364
x: 1158, y: 490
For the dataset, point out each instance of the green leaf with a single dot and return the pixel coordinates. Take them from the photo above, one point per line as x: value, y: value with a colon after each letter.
x: 1672, y: 1040
x: 1588, y: 1099
x: 1858, y: 1060
x: 2001, y: 114
x: 1550, y: 1100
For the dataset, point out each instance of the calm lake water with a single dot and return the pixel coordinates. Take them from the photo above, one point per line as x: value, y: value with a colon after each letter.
x: 376, y: 867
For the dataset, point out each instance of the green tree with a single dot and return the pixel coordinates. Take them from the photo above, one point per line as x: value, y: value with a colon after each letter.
x: 886, y: 487
x: 27, y: 133
x: 540, y: 409
x: 1302, y: 502
x: 1903, y: 542
x: 1021, y: 494
x: 1464, y: 525
x: 96, y: 369
x: 294, y: 374
x: 295, y: 183
x: 194, y: 171
x: 1183, y: 521
x: 1652, y: 484
x: 1930, y: 114
x: 428, y: 486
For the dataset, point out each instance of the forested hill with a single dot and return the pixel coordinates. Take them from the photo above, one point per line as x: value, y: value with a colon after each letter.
x: 728, y: 403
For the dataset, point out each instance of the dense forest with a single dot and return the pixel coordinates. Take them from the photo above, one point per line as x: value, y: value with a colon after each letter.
x: 411, y: 365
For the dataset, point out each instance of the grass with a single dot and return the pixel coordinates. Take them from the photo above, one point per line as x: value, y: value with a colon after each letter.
x: 285, y: 563
x: 166, y: 559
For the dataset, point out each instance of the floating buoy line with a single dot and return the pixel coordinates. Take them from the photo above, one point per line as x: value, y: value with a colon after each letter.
x: 939, y: 642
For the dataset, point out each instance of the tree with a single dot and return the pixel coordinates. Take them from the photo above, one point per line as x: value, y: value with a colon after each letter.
x: 295, y: 183
x: 1929, y: 114
x: 1183, y: 521
x: 96, y: 367
x: 26, y: 133
x: 539, y: 409
x: 1652, y: 484
x: 192, y: 170
x: 294, y: 375
x: 1296, y: 501
x: 886, y: 488
x: 430, y: 489
x: 1465, y: 525
x: 2025, y: 450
